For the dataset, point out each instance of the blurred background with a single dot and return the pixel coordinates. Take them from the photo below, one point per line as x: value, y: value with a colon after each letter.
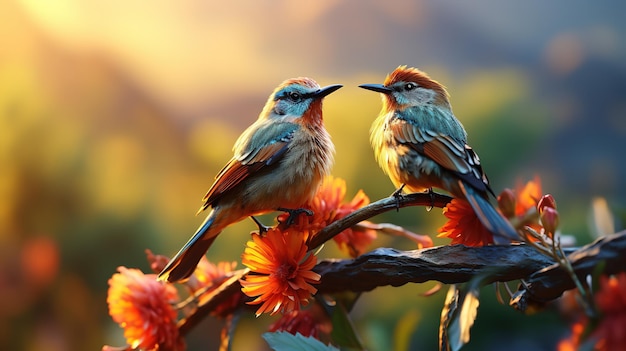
x: 115, y: 116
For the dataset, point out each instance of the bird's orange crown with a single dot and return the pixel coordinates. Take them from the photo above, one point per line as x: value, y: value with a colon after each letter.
x: 410, y: 74
x: 304, y: 81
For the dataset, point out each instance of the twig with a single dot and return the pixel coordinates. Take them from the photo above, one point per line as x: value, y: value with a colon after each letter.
x: 209, y: 303
x: 549, y: 283
x: 376, y: 208
x: 551, y: 246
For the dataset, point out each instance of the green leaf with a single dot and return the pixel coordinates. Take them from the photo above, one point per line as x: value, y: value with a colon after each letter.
x: 601, y: 218
x: 467, y: 316
x: 447, y: 314
x: 598, y: 270
x: 284, y: 341
x: 343, y: 333
x: 405, y: 329
x: 457, y: 318
x: 347, y: 299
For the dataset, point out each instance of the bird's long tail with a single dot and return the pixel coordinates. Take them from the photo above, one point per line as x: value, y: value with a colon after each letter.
x: 184, y: 263
x: 492, y: 219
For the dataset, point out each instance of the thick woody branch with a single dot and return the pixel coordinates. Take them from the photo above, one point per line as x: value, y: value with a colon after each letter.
x: 375, y: 208
x: 446, y: 264
x: 544, y: 279
x: 458, y: 264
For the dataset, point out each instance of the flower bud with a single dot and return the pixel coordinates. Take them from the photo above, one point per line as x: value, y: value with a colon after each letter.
x: 506, y: 203
x: 549, y: 219
x: 157, y: 262
x: 545, y: 202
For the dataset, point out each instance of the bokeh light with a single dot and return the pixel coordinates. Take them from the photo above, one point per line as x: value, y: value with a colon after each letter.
x: 115, y: 116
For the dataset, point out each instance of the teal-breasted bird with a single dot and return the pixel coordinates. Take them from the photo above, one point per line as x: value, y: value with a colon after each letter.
x: 420, y: 144
x: 278, y: 164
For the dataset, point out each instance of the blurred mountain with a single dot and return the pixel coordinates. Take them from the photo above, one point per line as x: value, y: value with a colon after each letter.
x: 115, y: 115
x: 586, y: 148
x: 574, y: 61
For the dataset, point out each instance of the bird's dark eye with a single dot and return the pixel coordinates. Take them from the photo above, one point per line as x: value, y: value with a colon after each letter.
x: 295, y: 97
x: 410, y: 86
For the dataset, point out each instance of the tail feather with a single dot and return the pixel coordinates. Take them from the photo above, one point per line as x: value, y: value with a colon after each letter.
x: 184, y: 263
x: 492, y: 219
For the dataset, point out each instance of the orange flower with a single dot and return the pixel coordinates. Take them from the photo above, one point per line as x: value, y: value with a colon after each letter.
x: 506, y: 203
x: 324, y: 205
x: 608, y: 334
x: 572, y: 343
x: 611, y: 302
x: 281, y: 271
x: 142, y: 306
x: 310, y: 322
x: 463, y: 227
x: 209, y: 276
x: 328, y: 206
x: 156, y: 262
x: 206, y: 278
x: 354, y: 241
x: 520, y: 205
x: 527, y: 196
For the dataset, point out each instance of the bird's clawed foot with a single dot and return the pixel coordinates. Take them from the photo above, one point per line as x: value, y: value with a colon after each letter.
x: 294, y: 213
x: 262, y: 227
x: 397, y: 194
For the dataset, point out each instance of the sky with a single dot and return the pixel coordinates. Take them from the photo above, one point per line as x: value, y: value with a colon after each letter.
x: 115, y: 116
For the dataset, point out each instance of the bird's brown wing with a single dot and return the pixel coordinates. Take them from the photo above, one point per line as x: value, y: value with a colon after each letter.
x: 241, y: 168
x: 445, y: 151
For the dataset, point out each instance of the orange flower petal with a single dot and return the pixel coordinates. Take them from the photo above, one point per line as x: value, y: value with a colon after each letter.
x: 527, y: 196
x: 281, y: 276
x: 143, y: 307
x: 463, y: 226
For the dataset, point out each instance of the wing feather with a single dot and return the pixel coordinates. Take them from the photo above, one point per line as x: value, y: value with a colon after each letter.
x: 447, y: 152
x: 249, y: 162
x: 438, y: 151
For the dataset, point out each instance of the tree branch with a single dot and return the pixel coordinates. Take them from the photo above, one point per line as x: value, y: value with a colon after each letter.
x: 545, y: 280
x: 375, y: 208
x: 550, y: 282
x: 446, y: 264
x: 209, y: 303
x: 458, y: 264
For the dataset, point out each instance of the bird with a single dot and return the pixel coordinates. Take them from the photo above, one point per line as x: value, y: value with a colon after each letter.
x: 420, y: 144
x: 277, y: 165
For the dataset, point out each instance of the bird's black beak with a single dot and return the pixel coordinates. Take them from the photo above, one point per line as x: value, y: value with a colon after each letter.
x: 376, y: 87
x: 326, y: 90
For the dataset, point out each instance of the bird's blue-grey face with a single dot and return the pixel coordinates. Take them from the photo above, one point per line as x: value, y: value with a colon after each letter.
x: 295, y: 99
x: 410, y: 93
x: 404, y: 93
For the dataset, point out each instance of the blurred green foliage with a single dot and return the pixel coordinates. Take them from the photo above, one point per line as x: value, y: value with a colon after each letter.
x: 95, y: 167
